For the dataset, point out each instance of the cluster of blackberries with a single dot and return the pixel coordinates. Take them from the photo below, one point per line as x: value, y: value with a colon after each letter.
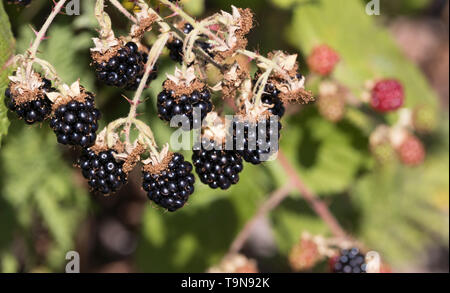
x: 75, y: 123
x: 104, y: 173
x: 19, y: 2
x: 217, y: 168
x: 170, y: 106
x: 270, y: 97
x: 350, y: 261
x: 176, y: 45
x: 171, y: 187
x: 33, y: 111
x: 125, y: 69
x: 253, y: 140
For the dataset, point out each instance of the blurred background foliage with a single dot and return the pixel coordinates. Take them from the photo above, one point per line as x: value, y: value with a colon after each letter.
x: 46, y: 209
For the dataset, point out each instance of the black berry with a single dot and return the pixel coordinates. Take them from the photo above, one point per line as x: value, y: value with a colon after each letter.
x: 104, y: 172
x: 36, y: 110
x: 75, y: 123
x: 125, y: 69
x: 217, y: 168
x: 270, y: 97
x: 252, y: 140
x: 350, y: 261
x: 170, y: 106
x: 171, y: 187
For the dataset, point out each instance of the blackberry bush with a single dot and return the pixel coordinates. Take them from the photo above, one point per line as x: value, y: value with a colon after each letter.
x: 123, y: 68
x: 74, y: 120
x: 350, y: 261
x: 30, y: 103
x: 217, y: 167
x: 169, y: 183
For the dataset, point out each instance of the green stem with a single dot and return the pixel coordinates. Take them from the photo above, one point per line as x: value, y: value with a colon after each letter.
x: 153, y: 57
x: 34, y: 47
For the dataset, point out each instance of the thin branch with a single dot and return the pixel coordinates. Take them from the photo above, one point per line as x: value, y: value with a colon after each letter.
x: 123, y: 10
x: 316, y: 204
x: 40, y: 35
x: 271, y: 203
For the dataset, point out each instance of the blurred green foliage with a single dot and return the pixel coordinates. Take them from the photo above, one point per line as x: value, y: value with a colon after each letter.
x: 394, y: 209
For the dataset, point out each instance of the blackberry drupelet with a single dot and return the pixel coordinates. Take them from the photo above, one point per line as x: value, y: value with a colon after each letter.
x: 125, y: 69
x: 171, y: 186
x: 270, y: 97
x: 350, y: 261
x: 217, y: 168
x: 19, y: 2
x: 170, y: 106
x: 75, y: 122
x: 259, y: 133
x: 104, y: 172
x: 36, y: 110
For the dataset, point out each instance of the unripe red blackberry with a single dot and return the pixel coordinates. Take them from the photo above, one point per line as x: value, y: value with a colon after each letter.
x: 253, y: 138
x: 122, y: 66
x: 350, y: 261
x: 104, y: 172
x: 19, y: 2
x: 323, y: 60
x: 387, y: 95
x: 218, y: 168
x: 30, y: 102
x: 411, y: 151
x: 170, y: 182
x: 74, y: 119
x: 181, y: 97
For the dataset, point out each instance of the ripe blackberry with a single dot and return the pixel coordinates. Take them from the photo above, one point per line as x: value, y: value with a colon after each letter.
x: 36, y: 108
x: 270, y: 97
x: 125, y: 69
x: 170, y: 183
x: 350, y: 261
x: 252, y: 139
x: 387, y: 95
x: 19, y: 2
x: 104, y: 172
x: 170, y: 105
x: 217, y: 168
x: 74, y: 121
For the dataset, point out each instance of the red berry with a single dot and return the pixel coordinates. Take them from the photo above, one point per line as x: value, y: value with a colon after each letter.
x: 322, y: 60
x: 387, y: 95
x: 411, y: 151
